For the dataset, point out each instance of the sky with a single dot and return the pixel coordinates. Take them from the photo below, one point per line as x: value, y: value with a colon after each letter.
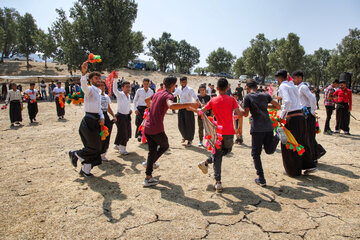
x: 210, y: 24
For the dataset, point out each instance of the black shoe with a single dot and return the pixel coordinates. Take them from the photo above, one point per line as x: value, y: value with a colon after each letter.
x: 347, y: 133
x: 31, y: 121
x: 139, y: 139
x: 82, y: 173
x: 260, y: 182
x: 12, y: 125
x: 73, y: 158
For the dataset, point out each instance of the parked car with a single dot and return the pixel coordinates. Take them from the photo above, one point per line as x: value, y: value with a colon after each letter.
x: 225, y: 75
x: 20, y: 57
x: 355, y: 89
x: 243, y: 78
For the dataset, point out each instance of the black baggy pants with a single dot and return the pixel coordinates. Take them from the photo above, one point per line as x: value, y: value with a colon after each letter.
x: 342, y: 117
x: 109, y: 124
x: 186, y: 124
x: 32, y: 109
x: 59, y: 110
x: 123, y: 124
x: 158, y: 144
x: 329, y: 112
x: 139, y: 119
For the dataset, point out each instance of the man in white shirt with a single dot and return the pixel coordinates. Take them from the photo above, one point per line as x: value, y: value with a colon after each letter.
x: 295, y: 123
x: 186, y: 119
x: 208, y: 90
x: 140, y: 105
x: 58, y: 92
x: 308, y: 104
x: 91, y: 124
x: 14, y: 98
x: 31, y: 95
x: 123, y: 115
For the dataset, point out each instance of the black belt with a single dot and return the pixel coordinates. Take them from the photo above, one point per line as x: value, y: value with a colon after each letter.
x: 343, y: 103
x: 94, y: 116
x: 296, y: 111
x: 14, y: 101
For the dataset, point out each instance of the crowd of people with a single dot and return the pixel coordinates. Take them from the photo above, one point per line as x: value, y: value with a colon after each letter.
x: 297, y: 103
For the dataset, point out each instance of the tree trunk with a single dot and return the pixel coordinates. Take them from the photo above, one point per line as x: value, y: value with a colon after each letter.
x: 27, y: 62
x: 46, y: 63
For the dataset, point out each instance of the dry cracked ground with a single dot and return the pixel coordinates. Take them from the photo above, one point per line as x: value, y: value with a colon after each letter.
x: 42, y: 195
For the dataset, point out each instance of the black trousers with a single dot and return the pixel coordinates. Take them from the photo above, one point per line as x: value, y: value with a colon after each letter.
x: 293, y: 163
x: 342, y: 117
x: 89, y: 131
x: 32, y: 110
x: 201, y: 129
x: 59, y: 110
x: 329, y: 112
x: 311, y: 143
x: 226, y: 147
x: 109, y: 124
x: 186, y: 124
x: 260, y: 139
x: 123, y: 124
x: 15, y: 111
x: 139, y: 119
x: 158, y: 144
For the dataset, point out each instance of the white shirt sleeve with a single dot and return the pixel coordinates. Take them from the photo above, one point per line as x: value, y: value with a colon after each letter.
x: 312, y: 100
x: 7, y: 97
x: 285, y: 102
x: 193, y: 95
x: 176, y: 92
x: 84, y: 85
x: 136, y: 100
x: 115, y: 88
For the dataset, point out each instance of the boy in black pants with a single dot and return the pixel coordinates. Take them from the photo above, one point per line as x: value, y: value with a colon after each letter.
x: 204, y: 99
x: 261, y: 127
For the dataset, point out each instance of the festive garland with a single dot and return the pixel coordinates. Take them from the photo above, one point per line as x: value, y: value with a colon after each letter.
x: 104, y: 133
x: 141, y: 128
x: 61, y: 101
x: 318, y: 130
x: 75, y: 98
x: 26, y: 98
x: 212, y: 144
x: 291, y: 144
x: 4, y: 107
x: 94, y: 58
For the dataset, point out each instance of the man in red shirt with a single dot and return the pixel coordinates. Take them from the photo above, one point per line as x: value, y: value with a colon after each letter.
x: 343, y: 100
x: 222, y: 107
x: 154, y: 131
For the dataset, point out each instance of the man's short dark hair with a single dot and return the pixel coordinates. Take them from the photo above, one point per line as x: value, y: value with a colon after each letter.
x: 32, y: 84
x: 92, y: 74
x: 281, y: 73
x: 124, y: 83
x: 336, y: 81
x: 183, y: 79
x: 146, y: 80
x: 251, y: 83
x: 170, y: 81
x: 202, y: 86
x: 298, y: 73
x: 222, y: 84
x: 161, y: 84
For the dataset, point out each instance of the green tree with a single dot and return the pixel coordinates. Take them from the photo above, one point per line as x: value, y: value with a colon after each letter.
x: 239, y: 67
x: 163, y: 50
x: 46, y: 44
x: 335, y: 66
x: 102, y: 27
x: 287, y: 53
x: 9, y: 24
x: 220, y: 60
x: 256, y: 57
x: 316, y: 66
x: 349, y: 50
x: 187, y: 57
x: 27, y: 38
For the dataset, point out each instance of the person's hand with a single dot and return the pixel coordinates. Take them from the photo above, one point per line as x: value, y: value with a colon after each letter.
x: 101, y: 122
x: 84, y: 67
x: 239, y: 132
x: 114, y: 119
x: 195, y: 105
x: 137, y: 112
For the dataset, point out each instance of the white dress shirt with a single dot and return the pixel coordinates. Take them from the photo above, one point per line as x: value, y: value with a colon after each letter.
x: 140, y: 96
x: 12, y: 96
x: 186, y: 95
x: 32, y: 93
x: 92, y: 97
x: 123, y: 101
x: 307, y: 99
x: 208, y: 91
x: 290, y: 98
x: 57, y: 91
x: 105, y: 101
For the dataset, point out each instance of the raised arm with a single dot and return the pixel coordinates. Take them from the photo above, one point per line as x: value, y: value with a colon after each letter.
x: 115, y: 88
x: 83, y: 79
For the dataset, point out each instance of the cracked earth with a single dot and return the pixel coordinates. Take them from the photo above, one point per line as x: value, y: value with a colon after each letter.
x: 42, y: 196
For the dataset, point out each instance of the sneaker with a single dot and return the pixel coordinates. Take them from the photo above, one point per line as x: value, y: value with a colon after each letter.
x: 150, y: 182
x: 281, y: 134
x: 104, y: 158
x: 218, y: 187
x: 155, y: 165
x: 336, y: 132
x: 310, y: 170
x: 240, y: 140
x: 12, y: 125
x: 328, y: 132
x: 203, y: 167
x: 347, y: 133
x: 116, y: 147
x: 260, y: 182
x: 73, y: 158
x: 82, y: 173
x: 200, y: 144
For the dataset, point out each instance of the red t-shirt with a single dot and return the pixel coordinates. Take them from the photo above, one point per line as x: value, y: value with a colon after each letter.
x: 155, y: 122
x: 223, y: 107
x: 344, y: 96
